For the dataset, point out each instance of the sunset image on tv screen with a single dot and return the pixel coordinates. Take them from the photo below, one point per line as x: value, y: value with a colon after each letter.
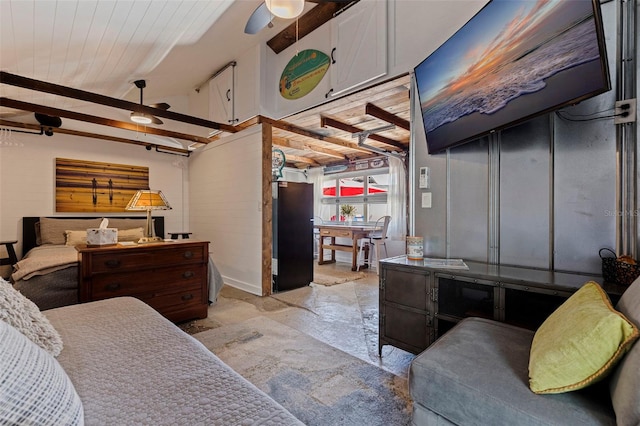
x: 512, y: 60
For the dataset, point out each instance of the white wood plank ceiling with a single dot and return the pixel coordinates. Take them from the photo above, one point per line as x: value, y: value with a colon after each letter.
x: 98, y: 46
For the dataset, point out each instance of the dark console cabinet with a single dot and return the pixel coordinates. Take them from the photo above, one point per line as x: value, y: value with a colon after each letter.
x: 406, y: 308
x: 418, y: 303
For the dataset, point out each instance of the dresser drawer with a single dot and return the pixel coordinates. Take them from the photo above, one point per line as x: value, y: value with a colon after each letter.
x: 180, y: 255
x: 186, y: 297
x: 131, y: 283
x: 335, y: 233
x: 114, y: 261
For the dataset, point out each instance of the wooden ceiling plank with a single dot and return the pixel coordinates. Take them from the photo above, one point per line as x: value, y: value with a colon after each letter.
x: 60, y: 130
x: 68, y: 92
x: 56, y: 112
x: 331, y: 122
x: 282, y: 125
x: 382, y: 114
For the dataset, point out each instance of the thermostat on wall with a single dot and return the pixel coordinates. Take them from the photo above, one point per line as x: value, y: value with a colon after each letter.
x: 424, y: 177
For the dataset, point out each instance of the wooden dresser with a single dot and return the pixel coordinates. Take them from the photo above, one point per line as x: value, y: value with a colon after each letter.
x: 169, y: 276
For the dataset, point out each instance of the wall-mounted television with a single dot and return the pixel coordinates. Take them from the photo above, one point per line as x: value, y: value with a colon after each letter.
x: 512, y: 61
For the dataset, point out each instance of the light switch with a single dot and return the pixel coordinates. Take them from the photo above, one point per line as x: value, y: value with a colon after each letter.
x: 426, y: 200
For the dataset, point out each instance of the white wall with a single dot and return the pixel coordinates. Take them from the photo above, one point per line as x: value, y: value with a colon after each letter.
x: 226, y: 198
x: 27, y: 178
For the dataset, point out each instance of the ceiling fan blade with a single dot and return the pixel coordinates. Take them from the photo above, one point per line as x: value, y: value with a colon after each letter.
x: 155, y: 120
x: 260, y: 18
x: 162, y: 105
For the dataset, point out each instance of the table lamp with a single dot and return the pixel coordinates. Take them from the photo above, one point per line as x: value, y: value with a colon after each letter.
x: 147, y: 199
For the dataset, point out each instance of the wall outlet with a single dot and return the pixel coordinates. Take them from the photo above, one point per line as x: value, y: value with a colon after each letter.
x: 625, y: 111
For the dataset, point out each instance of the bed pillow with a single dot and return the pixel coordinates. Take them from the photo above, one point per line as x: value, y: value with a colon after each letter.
x: 21, y: 313
x: 75, y: 237
x: 127, y: 223
x: 52, y: 231
x: 130, y: 234
x: 579, y: 343
x: 34, y: 389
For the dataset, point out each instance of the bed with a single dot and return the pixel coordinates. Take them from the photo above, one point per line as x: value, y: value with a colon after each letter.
x: 48, y: 271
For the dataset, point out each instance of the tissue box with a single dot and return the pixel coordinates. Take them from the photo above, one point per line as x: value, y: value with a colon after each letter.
x: 102, y: 237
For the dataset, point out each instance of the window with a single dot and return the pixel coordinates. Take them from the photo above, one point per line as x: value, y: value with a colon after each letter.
x: 367, y: 191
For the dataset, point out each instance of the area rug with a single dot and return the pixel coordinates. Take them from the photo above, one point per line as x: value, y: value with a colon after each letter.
x: 335, y: 276
x: 316, y: 382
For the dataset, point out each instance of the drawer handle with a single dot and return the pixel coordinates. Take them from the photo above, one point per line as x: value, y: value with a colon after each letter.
x: 187, y: 296
x: 188, y: 254
x: 112, y: 287
x: 112, y: 263
x: 188, y: 274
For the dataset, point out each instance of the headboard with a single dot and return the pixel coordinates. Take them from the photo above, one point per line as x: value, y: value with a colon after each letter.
x: 29, y: 227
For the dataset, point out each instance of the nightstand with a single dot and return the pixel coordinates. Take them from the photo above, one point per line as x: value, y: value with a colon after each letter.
x: 169, y: 276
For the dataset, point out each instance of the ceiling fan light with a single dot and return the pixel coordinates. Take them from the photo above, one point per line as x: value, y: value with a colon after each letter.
x: 287, y: 9
x: 140, y: 118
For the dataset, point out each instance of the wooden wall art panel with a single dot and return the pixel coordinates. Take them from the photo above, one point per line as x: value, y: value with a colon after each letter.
x: 93, y: 187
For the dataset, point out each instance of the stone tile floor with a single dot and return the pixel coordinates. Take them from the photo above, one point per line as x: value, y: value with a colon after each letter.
x: 344, y: 316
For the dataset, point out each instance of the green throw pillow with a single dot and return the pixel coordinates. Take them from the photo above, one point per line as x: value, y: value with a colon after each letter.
x: 579, y: 343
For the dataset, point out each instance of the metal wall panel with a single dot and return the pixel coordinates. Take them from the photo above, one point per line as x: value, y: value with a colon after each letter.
x: 584, y: 193
x: 469, y: 201
x: 525, y: 194
x: 585, y: 175
x: 430, y: 223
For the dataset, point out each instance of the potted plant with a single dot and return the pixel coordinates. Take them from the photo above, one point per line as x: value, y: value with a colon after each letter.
x: 348, y: 211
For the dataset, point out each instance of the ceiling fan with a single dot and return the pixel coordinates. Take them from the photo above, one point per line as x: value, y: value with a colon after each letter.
x: 142, y: 117
x: 286, y: 9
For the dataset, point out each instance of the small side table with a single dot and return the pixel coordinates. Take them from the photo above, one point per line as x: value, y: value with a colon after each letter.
x: 12, y: 259
x: 174, y: 235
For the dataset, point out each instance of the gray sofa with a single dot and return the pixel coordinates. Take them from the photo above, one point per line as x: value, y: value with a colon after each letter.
x: 477, y: 374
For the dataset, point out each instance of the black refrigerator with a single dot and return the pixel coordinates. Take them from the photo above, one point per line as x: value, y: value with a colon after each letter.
x: 292, y: 263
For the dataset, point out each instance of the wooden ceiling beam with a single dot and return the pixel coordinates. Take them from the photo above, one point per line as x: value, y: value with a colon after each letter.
x: 384, y: 115
x: 286, y: 143
x: 60, y: 130
x: 313, y: 19
x: 282, y: 125
x: 332, y: 122
x: 56, y: 112
x: 68, y: 92
x: 299, y: 159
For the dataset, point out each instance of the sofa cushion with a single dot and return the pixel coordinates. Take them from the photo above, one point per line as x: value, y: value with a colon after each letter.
x: 625, y: 381
x: 21, y: 313
x: 34, y: 389
x: 579, y: 343
x: 477, y: 374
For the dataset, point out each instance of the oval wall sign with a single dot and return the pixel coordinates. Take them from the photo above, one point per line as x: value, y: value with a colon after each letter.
x: 303, y: 73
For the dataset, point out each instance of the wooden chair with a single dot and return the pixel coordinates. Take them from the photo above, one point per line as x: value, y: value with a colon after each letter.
x: 376, y: 239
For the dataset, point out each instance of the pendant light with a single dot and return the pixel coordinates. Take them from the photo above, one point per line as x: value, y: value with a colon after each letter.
x: 287, y: 9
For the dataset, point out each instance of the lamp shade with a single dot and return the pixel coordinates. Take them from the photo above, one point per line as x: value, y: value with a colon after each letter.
x: 287, y: 9
x: 147, y: 199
